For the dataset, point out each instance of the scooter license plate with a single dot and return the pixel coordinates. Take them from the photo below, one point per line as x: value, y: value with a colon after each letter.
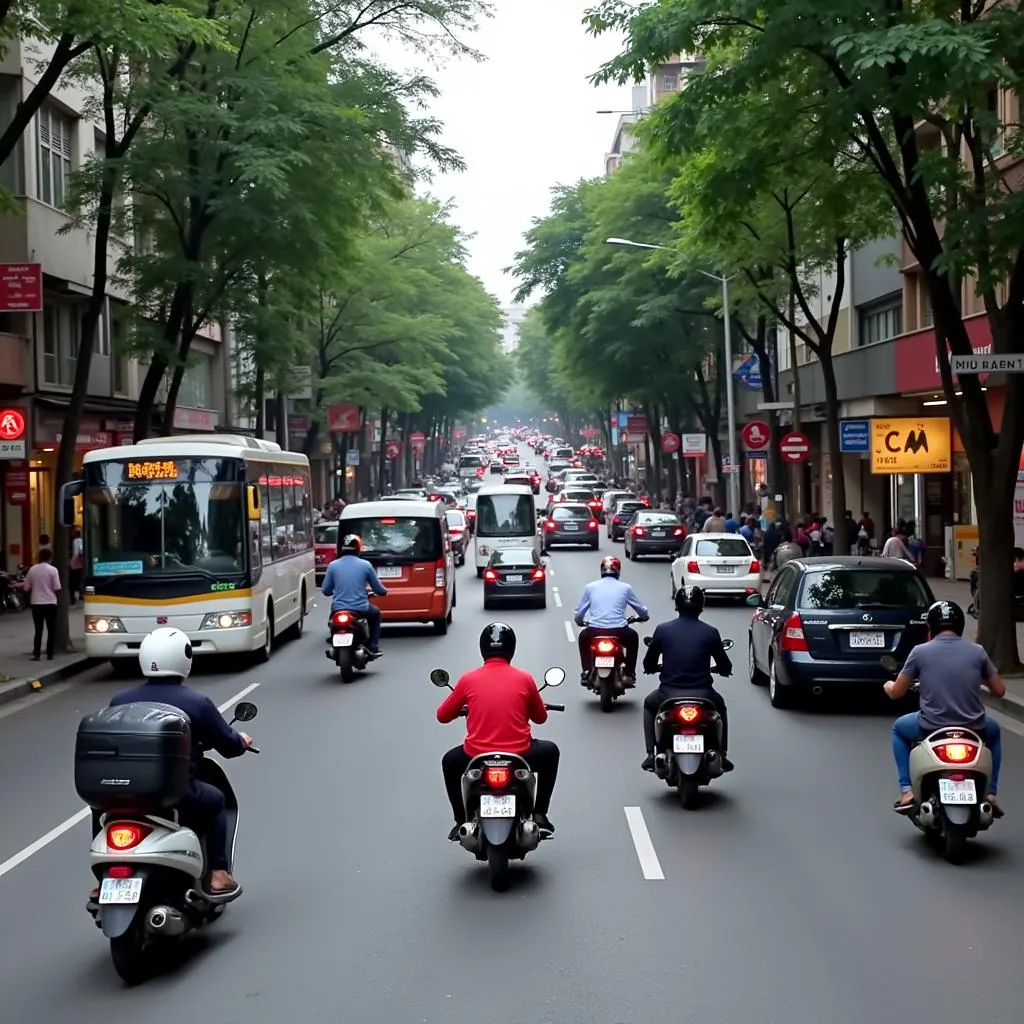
x: 604, y: 663
x: 687, y: 744
x: 953, y: 792
x: 342, y: 639
x: 120, y: 890
x: 497, y: 806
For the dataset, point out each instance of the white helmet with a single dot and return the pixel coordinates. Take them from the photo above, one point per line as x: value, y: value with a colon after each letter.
x: 166, y: 653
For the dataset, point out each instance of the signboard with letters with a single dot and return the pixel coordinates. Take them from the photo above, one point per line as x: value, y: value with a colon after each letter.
x: 855, y: 436
x: 911, y: 445
x: 21, y: 287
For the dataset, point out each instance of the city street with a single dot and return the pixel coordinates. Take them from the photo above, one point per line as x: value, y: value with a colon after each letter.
x: 793, y: 894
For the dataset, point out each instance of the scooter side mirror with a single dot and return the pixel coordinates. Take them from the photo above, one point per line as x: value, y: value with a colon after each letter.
x: 890, y: 664
x: 727, y: 645
x: 554, y: 676
x: 439, y: 678
x: 647, y: 641
x: 245, y: 711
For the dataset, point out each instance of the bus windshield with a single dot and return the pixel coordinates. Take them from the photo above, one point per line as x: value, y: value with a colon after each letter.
x: 181, y: 516
x: 505, y: 515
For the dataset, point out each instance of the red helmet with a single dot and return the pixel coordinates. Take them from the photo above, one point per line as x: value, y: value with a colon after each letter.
x: 611, y: 566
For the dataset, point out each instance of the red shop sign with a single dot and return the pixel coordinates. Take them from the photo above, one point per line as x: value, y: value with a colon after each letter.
x: 343, y: 418
x: 392, y: 449
x: 21, y: 287
x: 917, y: 358
x: 12, y: 424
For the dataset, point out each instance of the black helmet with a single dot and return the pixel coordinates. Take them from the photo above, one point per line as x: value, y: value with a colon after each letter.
x: 351, y: 545
x: 690, y: 601
x: 944, y: 616
x: 498, y: 641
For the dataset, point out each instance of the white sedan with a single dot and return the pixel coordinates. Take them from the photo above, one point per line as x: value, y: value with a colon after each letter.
x: 721, y: 564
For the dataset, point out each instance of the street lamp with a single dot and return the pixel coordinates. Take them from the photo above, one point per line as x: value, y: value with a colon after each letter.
x: 734, y: 479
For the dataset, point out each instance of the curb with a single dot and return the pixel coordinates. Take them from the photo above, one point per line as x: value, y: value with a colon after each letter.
x: 18, y: 688
x: 1010, y: 705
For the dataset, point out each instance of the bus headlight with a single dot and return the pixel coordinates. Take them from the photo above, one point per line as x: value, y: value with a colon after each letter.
x: 226, y: 620
x: 103, y: 624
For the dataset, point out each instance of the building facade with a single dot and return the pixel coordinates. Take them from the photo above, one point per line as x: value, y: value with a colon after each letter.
x: 513, y: 319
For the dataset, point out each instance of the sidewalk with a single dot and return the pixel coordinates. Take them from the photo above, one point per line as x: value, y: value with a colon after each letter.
x: 19, y: 674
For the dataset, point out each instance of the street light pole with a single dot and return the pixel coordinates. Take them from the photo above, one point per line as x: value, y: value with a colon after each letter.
x: 730, y: 404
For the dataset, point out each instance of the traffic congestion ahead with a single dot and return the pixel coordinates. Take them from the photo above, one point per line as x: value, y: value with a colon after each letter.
x: 749, y: 823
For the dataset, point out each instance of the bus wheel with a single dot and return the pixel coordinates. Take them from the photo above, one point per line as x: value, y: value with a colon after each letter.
x: 299, y: 626
x: 268, y: 641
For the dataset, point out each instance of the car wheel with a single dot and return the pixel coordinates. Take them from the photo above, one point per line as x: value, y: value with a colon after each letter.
x: 672, y: 585
x: 757, y: 677
x: 779, y: 695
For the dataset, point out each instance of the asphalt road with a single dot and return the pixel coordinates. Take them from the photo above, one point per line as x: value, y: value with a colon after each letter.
x: 793, y: 895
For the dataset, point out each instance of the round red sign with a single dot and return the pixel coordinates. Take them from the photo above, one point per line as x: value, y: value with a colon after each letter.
x: 795, y: 447
x: 393, y: 449
x: 757, y: 435
x: 12, y: 424
x: 671, y: 443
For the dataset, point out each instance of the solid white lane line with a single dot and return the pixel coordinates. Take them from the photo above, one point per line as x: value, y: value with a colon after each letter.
x: 557, y: 596
x: 645, y: 852
x: 65, y: 826
x: 569, y: 634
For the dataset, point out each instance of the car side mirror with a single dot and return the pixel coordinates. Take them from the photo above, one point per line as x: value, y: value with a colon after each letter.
x: 727, y: 645
x: 647, y: 641
x: 439, y: 678
x: 554, y: 676
x: 755, y: 601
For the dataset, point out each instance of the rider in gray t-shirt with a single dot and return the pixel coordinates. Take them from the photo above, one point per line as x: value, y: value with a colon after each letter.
x: 950, y: 671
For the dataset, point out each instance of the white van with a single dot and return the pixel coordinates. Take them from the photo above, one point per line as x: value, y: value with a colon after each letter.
x: 505, y: 518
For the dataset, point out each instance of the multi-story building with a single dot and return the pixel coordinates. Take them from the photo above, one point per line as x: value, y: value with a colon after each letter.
x: 49, y: 264
x: 513, y: 319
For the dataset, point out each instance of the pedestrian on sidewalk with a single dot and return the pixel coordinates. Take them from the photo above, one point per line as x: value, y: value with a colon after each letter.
x: 75, y: 567
x: 42, y: 582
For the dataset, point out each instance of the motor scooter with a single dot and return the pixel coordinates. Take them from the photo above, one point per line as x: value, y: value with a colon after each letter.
x: 348, y: 642
x: 607, y: 674
x: 950, y: 771
x: 688, y: 743
x: 149, y: 868
x: 499, y: 791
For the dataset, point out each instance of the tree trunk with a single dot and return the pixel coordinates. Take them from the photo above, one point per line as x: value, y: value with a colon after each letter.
x: 281, y: 418
x: 837, y: 512
x: 159, y: 362
x: 795, y: 469
x: 259, y: 398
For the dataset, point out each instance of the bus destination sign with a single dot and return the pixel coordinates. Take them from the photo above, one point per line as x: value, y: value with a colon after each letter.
x: 152, y: 469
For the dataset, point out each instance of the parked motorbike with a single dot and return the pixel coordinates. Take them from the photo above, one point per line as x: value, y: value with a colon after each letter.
x: 12, y: 594
x: 607, y: 676
x: 348, y: 640
x: 499, y: 791
x: 688, y: 741
x: 950, y: 771
x: 149, y: 865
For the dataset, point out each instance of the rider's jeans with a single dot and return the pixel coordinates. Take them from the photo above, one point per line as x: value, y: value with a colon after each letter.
x: 372, y: 615
x: 906, y: 731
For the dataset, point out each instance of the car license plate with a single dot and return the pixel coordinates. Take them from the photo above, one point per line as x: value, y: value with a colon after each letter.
x: 727, y: 570
x: 604, y: 662
x: 497, y: 806
x: 514, y: 579
x: 569, y: 526
x: 870, y: 641
x: 953, y: 792
x: 389, y: 572
x: 120, y: 890
x: 342, y: 640
x: 657, y: 533
x: 687, y: 744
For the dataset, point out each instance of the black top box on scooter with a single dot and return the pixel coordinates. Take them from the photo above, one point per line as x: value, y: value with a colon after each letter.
x: 133, y: 757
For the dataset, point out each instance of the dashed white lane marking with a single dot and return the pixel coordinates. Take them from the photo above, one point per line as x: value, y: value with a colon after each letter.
x: 557, y: 596
x: 65, y: 826
x: 645, y: 852
x: 569, y: 634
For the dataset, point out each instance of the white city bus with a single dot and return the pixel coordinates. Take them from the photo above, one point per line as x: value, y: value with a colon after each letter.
x: 211, y: 533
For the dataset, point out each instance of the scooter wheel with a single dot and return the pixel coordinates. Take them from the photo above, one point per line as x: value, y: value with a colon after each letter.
x: 129, y: 954
x: 954, y: 846
x: 497, y: 867
x: 688, y: 792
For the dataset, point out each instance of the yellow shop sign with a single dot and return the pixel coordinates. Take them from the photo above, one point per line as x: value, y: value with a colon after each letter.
x: 911, y: 446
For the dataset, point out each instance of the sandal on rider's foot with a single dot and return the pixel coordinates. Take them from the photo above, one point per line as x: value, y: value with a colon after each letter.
x: 904, y: 806
x: 647, y: 764
x: 543, y: 823
x: 997, y: 811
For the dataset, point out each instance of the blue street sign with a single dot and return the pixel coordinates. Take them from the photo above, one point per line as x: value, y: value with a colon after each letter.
x: 757, y: 456
x: 855, y: 436
x: 748, y: 373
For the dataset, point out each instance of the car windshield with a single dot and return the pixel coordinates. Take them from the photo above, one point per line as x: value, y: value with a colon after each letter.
x: 514, y: 556
x: 723, y: 547
x: 505, y: 515
x: 567, y: 512
x: 325, y: 533
x: 172, y: 516
x: 407, y: 538
x: 845, y: 589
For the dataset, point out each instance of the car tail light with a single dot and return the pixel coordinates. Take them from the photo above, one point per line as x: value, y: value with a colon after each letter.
x: 343, y: 618
x: 755, y: 568
x: 471, y: 513
x: 120, y: 871
x: 616, y: 519
x: 125, y: 835
x: 592, y: 525
x: 693, y: 568
x: 678, y: 532
x: 388, y: 522
x: 490, y: 575
x: 497, y: 778
x: 538, y: 574
x: 455, y: 531
x: 956, y: 753
x: 689, y: 713
x: 646, y: 502
x: 551, y: 525
x: 434, y: 497
x: 593, y: 504
x: 440, y: 575
x: 637, y: 531
x: 792, y: 637
x: 605, y: 646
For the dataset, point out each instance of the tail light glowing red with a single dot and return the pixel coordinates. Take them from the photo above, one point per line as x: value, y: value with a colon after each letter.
x: 689, y: 713
x: 693, y: 568
x: 125, y: 835
x: 637, y: 531
x: 471, y: 513
x: 538, y: 574
x: 592, y: 525
x: 755, y: 568
x: 616, y: 519
x: 605, y: 646
x: 678, y: 532
x: 551, y: 525
x: 956, y: 753
x: 792, y: 637
x: 120, y: 871
x: 343, y: 618
x: 490, y: 576
x: 497, y: 778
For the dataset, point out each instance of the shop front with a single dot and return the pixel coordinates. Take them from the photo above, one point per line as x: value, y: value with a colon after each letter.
x: 15, y: 423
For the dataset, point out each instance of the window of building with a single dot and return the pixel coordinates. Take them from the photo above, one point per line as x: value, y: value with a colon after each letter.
x: 927, y: 315
x: 196, y: 390
x: 9, y: 321
x: 61, y: 327
x: 880, y: 323
x: 669, y: 82
x: 12, y: 169
x: 54, y: 156
x: 102, y: 344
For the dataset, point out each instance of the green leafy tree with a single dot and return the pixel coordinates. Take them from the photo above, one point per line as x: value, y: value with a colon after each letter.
x: 913, y: 91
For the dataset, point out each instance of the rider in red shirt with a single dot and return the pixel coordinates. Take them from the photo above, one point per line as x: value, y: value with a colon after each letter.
x: 500, y: 702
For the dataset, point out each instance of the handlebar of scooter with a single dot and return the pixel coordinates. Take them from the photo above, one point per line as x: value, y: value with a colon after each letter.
x: 555, y: 707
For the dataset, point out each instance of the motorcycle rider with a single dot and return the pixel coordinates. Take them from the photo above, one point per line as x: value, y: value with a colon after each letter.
x: 500, y: 703
x: 165, y: 656
x: 345, y: 583
x: 602, y: 612
x: 951, y: 670
x: 686, y: 647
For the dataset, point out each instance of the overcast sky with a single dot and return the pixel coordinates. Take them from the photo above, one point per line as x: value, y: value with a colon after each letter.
x: 523, y: 121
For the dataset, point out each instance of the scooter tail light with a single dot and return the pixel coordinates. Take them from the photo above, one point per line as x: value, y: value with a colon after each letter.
x: 126, y: 835
x: 497, y: 778
x: 792, y: 637
x: 120, y: 871
x: 956, y: 753
x: 688, y: 713
x: 605, y: 646
x: 342, y: 618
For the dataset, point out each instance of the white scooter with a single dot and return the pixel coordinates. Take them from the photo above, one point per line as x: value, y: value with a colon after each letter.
x: 149, y: 869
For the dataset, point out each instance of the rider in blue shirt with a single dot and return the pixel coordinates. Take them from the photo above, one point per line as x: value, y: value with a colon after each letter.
x: 345, y: 583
